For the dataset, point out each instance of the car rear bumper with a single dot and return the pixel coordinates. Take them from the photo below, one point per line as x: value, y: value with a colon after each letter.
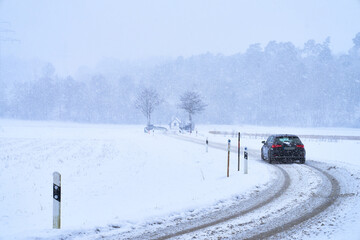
x: 288, y: 159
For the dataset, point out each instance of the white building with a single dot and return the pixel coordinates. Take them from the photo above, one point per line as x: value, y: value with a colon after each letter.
x: 175, y: 124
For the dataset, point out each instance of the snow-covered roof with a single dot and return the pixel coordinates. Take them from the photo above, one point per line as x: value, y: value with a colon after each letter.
x: 175, y: 119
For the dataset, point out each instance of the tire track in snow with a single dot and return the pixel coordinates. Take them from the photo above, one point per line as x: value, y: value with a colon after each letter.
x: 331, y: 196
x: 328, y: 200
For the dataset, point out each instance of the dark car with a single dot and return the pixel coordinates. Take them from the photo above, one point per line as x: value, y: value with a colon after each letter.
x: 150, y: 128
x: 283, y: 148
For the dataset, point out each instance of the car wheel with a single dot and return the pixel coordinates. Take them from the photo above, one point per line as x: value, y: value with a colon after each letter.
x: 262, y: 155
x: 270, y: 159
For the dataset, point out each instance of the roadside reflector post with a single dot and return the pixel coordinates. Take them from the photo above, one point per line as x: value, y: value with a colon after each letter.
x: 239, y: 152
x: 56, y: 200
x: 245, y: 161
x: 228, y: 160
x: 207, y: 144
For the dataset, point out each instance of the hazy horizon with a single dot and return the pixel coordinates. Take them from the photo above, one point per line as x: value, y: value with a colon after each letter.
x: 73, y: 34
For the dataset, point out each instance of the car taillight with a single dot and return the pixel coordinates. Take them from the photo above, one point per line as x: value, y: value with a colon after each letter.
x: 276, y: 146
x: 300, y: 146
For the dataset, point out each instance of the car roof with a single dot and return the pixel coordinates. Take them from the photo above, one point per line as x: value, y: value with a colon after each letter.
x: 284, y: 135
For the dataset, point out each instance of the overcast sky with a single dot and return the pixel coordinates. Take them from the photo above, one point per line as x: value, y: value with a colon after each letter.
x: 72, y: 33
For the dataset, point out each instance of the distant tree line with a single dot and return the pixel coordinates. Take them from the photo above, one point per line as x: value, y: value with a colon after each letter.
x: 278, y: 84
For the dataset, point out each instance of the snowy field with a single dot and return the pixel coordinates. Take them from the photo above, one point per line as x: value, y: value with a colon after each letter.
x: 111, y: 175
x: 117, y: 176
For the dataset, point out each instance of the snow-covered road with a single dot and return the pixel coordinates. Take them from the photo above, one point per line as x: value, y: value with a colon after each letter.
x: 301, y: 200
x: 299, y: 193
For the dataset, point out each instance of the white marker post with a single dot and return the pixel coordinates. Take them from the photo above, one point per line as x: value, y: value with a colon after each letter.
x: 239, y: 152
x: 228, y: 160
x: 56, y: 200
x: 245, y: 161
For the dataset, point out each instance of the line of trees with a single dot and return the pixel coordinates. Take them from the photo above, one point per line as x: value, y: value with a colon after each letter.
x: 278, y: 84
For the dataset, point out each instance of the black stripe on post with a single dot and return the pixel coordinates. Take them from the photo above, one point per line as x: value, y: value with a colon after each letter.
x: 57, y: 192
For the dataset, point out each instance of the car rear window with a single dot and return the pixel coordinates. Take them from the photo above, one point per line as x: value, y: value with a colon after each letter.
x: 288, y: 140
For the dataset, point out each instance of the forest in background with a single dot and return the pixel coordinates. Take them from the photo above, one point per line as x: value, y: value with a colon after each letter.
x: 278, y: 85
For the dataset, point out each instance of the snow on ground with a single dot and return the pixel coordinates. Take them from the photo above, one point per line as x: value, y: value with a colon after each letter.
x: 111, y: 175
x: 119, y: 176
x: 341, y: 155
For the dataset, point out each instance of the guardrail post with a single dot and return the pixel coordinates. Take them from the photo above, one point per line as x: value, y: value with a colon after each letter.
x: 228, y: 160
x: 56, y: 200
x: 239, y: 152
x: 245, y: 161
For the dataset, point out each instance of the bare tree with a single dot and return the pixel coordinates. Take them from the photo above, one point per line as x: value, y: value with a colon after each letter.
x: 147, y: 100
x: 191, y: 102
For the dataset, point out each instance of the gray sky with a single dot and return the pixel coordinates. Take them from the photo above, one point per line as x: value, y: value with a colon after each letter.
x: 72, y: 33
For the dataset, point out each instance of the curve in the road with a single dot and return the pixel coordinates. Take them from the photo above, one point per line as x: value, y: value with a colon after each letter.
x: 329, y: 200
x: 270, y: 197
